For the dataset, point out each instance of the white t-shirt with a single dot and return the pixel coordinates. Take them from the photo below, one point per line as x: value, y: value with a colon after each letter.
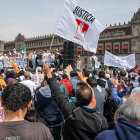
x: 30, y: 84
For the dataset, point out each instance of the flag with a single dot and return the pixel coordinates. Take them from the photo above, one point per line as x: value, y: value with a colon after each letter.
x: 23, y: 48
x: 79, y: 26
x: 14, y: 66
x: 127, y: 62
x: 136, y: 69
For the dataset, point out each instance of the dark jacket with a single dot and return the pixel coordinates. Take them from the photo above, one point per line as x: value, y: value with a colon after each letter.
x: 109, y: 109
x: 81, y: 123
x: 47, y: 107
x: 124, y: 130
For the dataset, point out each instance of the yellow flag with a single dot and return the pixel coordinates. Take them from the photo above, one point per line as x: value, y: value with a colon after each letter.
x: 14, y: 66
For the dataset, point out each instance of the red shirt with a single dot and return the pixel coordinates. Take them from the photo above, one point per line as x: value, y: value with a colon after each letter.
x: 68, y: 85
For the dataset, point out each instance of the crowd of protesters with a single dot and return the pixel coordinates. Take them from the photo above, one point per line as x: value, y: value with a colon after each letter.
x: 97, y: 104
x: 32, y: 59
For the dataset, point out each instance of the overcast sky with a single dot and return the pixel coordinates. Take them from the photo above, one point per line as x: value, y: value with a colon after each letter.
x: 39, y: 17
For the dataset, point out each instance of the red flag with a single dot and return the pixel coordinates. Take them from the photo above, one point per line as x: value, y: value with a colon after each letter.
x: 136, y: 69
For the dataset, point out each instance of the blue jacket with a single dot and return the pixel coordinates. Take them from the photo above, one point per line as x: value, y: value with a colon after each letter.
x: 47, y: 107
x: 124, y: 130
x: 117, y: 96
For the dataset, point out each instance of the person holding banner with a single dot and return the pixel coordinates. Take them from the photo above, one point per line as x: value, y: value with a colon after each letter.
x: 95, y: 63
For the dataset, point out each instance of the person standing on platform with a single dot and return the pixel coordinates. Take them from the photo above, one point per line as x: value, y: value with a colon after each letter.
x: 39, y: 62
x: 93, y: 60
x: 34, y: 60
x: 44, y: 58
x: 30, y: 59
x: 78, y: 61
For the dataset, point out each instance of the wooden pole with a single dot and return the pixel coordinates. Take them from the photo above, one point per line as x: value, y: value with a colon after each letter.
x: 56, y: 25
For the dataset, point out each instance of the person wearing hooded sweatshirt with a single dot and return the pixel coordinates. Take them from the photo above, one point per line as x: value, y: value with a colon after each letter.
x: 66, y: 83
x: 128, y: 127
x: 49, y: 110
x: 61, y: 86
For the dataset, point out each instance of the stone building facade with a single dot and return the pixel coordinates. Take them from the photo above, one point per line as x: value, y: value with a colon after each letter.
x: 119, y: 39
x: 122, y: 40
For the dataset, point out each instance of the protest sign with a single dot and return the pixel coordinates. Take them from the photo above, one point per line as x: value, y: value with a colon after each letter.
x: 127, y: 62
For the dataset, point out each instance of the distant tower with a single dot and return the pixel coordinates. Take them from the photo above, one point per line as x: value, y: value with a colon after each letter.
x: 19, y: 42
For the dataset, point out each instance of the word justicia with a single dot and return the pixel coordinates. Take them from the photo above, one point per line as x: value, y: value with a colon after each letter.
x: 84, y: 14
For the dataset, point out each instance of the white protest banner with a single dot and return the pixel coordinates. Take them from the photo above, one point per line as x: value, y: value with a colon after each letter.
x: 79, y: 26
x: 127, y: 62
x: 19, y: 61
x: 1, y: 65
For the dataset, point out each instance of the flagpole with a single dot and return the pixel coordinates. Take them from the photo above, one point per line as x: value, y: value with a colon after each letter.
x: 56, y: 25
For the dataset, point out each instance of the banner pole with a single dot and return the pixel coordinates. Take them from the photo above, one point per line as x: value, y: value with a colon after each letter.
x: 56, y: 25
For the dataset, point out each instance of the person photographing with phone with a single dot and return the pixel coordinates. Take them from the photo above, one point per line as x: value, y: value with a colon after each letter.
x: 117, y: 96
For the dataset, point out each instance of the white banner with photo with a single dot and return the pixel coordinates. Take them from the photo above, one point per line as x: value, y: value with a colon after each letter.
x: 127, y: 62
x: 79, y: 26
